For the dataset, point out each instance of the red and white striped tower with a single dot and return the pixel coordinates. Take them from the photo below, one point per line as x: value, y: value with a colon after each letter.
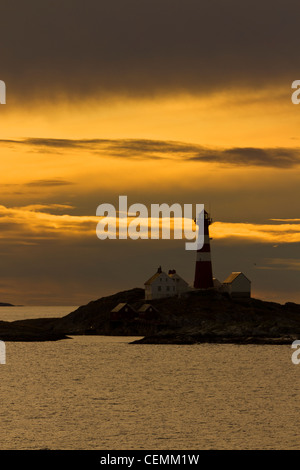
x: 203, y: 271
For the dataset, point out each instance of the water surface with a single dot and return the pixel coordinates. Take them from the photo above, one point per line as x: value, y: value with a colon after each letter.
x: 21, y: 313
x: 103, y: 393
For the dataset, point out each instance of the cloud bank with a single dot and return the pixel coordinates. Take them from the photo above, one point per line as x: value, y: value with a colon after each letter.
x: 143, y: 149
x: 76, y: 49
x: 35, y: 223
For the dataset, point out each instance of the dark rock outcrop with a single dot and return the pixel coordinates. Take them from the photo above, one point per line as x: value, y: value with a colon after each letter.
x: 30, y: 330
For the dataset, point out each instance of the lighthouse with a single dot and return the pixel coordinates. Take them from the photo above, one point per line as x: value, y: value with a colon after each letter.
x: 203, y: 271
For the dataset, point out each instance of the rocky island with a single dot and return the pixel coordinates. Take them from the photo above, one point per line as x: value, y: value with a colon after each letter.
x: 196, y: 317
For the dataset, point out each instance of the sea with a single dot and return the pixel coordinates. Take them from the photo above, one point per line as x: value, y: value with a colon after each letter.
x: 99, y: 392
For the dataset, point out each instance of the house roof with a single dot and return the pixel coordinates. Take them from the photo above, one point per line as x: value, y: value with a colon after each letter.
x: 120, y: 306
x: 232, y: 277
x: 152, y: 278
x: 145, y: 307
x: 176, y: 276
x: 173, y: 275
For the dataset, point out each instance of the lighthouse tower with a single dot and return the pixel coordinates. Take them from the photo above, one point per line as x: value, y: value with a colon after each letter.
x: 203, y: 271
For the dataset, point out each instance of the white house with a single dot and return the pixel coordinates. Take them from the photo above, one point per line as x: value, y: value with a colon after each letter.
x: 162, y: 285
x: 237, y: 285
x: 181, y: 285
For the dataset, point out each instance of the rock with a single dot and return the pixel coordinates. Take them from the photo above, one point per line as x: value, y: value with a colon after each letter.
x: 29, y: 330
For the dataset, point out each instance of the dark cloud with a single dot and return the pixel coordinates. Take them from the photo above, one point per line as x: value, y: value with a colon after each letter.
x: 156, y: 149
x: 251, y: 156
x: 47, y: 182
x: 77, y: 48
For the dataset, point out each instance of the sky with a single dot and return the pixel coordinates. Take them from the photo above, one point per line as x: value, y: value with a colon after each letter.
x: 165, y: 101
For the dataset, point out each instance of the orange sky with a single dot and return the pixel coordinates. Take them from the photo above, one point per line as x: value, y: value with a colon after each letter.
x: 240, y: 118
x: 44, y: 186
x: 187, y: 107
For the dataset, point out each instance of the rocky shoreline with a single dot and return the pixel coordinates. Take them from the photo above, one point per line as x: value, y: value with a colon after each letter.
x: 187, y: 339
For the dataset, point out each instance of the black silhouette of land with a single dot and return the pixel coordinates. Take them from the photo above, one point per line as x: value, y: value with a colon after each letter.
x: 196, y: 317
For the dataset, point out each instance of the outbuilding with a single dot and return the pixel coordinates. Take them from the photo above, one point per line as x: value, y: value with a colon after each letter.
x: 237, y: 285
x: 148, y: 312
x: 123, y: 311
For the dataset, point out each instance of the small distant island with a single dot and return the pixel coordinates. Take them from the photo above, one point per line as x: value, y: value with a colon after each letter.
x: 4, y: 304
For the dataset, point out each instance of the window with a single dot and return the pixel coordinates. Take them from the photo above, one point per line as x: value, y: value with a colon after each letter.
x: 159, y: 288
